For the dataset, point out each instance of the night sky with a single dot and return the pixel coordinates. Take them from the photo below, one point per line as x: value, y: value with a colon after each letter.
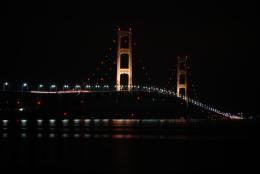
x: 64, y: 42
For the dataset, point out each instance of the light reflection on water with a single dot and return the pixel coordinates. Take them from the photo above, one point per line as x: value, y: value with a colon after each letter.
x: 5, y: 135
x: 39, y: 122
x: 95, y: 122
x: 5, y: 122
x: 68, y: 144
x: 86, y: 128
x: 98, y: 136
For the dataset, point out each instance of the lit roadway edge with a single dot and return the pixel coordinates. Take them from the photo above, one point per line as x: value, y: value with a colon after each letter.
x: 63, y: 92
x: 76, y: 91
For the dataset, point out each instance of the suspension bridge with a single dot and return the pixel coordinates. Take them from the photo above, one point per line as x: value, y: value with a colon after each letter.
x: 179, y: 97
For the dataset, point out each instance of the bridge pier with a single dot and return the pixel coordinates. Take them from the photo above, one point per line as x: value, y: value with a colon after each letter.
x: 124, y: 51
x: 182, y: 86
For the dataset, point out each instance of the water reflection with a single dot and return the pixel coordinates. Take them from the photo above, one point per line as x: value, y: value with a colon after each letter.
x: 5, y: 122
x: 76, y: 135
x: 52, y: 135
x: 113, y: 145
x: 65, y: 135
x: 39, y: 135
x: 23, y: 122
x: 86, y: 135
x: 122, y: 136
x: 115, y: 136
x: 23, y: 135
x: 39, y: 122
x: 89, y: 128
x: 52, y: 122
x: 65, y: 122
x: 5, y: 135
x: 87, y: 122
x: 100, y: 122
x: 99, y: 136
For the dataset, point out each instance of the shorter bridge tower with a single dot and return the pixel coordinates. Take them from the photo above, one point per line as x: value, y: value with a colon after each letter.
x: 124, y: 59
x: 182, y: 86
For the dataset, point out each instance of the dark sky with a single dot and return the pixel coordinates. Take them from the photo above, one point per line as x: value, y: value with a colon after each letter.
x: 63, y: 42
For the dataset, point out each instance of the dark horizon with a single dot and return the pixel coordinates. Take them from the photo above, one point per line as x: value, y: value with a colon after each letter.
x: 63, y: 43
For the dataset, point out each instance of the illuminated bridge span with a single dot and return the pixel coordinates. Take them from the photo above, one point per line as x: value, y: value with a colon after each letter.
x: 124, y: 82
x: 91, y: 89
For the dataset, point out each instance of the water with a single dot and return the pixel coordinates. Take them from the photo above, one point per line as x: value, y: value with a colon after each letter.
x: 128, y: 146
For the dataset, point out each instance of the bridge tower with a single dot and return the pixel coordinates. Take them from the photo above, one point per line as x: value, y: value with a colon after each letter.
x: 182, y: 87
x: 124, y: 59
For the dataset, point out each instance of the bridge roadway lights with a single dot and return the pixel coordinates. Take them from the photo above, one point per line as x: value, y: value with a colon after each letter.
x: 40, y: 87
x: 5, y: 86
x: 24, y: 85
x: 53, y: 88
x: 65, y: 87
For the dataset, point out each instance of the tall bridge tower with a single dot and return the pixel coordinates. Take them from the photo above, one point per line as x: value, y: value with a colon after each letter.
x: 182, y: 87
x: 124, y: 59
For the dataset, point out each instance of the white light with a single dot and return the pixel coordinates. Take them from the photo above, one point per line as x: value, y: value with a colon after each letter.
x: 77, y: 87
x: 23, y: 135
x: 39, y: 122
x: 21, y: 109
x: 25, y: 84
x: 5, y: 122
x: 87, y: 135
x: 39, y: 135
x: 88, y: 86
x: 87, y: 122
x: 76, y: 135
x: 105, y: 121
x: 65, y: 135
x: 52, y: 135
x: 76, y: 121
x: 65, y: 121
x: 97, y: 121
x: 52, y: 121
x: 65, y: 87
x: 6, y: 83
x: 23, y: 122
